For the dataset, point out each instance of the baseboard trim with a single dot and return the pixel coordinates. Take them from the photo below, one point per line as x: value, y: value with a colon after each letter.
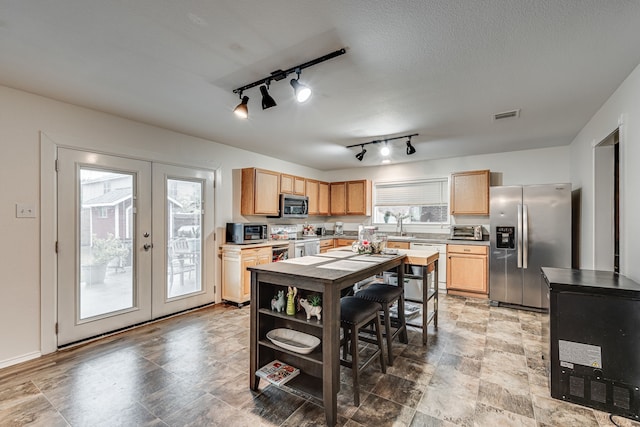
x: 20, y: 359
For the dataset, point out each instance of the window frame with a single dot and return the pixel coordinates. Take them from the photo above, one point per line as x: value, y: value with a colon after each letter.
x: 444, y: 200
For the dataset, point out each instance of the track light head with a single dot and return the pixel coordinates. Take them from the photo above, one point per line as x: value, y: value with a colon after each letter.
x: 385, y: 149
x: 302, y: 92
x: 267, y: 100
x: 410, y: 148
x: 361, y: 154
x: 242, y: 110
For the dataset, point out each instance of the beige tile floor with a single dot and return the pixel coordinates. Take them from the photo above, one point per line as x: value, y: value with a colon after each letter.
x: 482, y: 367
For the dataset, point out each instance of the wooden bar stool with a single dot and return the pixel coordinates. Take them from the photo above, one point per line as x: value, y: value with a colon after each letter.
x: 357, y: 313
x: 386, y: 296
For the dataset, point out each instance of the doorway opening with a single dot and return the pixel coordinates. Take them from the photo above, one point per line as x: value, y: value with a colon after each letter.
x: 607, y: 203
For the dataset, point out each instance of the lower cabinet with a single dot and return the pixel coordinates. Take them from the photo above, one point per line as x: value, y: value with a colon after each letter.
x: 467, y: 270
x: 397, y: 245
x: 236, y: 279
x: 325, y: 245
x: 343, y: 242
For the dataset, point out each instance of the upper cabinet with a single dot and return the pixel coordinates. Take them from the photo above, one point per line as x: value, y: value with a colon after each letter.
x: 260, y: 192
x: 351, y: 197
x: 323, y: 198
x: 338, y: 191
x: 470, y: 193
x: 290, y: 184
x: 312, y: 193
x: 318, y: 194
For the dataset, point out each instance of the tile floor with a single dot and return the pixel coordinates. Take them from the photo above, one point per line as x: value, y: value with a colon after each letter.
x: 482, y: 367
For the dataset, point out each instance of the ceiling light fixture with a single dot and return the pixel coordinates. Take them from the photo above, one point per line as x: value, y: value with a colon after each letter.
x: 385, y: 150
x: 242, y: 110
x: 410, y: 148
x: 302, y: 92
x: 267, y: 100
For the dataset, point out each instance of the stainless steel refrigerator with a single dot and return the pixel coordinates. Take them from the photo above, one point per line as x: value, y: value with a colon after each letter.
x: 530, y: 228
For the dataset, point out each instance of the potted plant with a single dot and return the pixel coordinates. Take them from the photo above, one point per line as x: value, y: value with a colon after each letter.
x: 102, y: 252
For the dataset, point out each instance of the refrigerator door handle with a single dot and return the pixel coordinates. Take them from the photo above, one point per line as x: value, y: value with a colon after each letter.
x: 525, y: 236
x: 519, y: 233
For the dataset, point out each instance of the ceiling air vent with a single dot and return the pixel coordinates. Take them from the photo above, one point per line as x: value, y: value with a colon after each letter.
x: 507, y: 115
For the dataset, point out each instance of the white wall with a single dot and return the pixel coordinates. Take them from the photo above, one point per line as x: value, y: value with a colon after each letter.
x: 621, y: 109
x: 542, y: 166
x: 22, y: 117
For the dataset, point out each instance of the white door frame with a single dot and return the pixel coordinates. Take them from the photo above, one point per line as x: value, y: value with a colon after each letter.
x: 48, y: 234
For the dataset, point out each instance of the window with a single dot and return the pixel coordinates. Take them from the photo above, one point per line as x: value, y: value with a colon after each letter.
x: 418, y: 202
x: 103, y: 212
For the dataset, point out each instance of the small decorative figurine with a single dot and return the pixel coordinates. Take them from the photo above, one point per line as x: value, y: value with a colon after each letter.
x: 277, y: 303
x: 291, y: 298
x: 312, y: 310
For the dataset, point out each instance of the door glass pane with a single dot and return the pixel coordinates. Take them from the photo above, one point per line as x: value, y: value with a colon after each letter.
x: 106, y: 230
x: 184, y: 225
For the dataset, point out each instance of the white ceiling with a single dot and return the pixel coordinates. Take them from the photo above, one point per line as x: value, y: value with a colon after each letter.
x: 440, y: 68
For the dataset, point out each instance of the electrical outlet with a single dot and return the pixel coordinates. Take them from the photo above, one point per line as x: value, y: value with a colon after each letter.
x: 25, y: 210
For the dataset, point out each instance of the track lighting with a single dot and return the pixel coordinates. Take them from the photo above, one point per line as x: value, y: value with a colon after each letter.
x: 301, y: 91
x: 385, y: 150
x: 267, y: 100
x: 410, y: 148
x: 242, y: 110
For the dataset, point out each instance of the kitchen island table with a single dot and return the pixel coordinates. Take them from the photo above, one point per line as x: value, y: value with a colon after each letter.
x: 326, y: 274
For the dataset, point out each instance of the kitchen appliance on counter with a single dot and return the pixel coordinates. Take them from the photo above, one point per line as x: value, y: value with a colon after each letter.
x: 321, y: 231
x: 292, y: 206
x: 246, y: 233
x: 530, y: 228
x: 338, y: 229
x: 466, y: 232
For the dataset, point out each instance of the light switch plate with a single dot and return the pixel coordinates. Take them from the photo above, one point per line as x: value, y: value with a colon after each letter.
x: 25, y: 210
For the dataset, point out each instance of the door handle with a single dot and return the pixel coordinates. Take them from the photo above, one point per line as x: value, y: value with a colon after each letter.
x: 519, y: 231
x: 525, y: 236
x: 147, y: 246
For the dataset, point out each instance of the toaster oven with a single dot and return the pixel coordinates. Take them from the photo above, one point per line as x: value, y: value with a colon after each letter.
x: 466, y: 232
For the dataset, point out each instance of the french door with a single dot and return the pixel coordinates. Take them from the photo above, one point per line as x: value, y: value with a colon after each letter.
x: 133, y: 240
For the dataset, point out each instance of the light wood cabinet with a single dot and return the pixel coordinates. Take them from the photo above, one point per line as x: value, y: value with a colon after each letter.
x: 397, y: 245
x: 236, y: 279
x: 260, y: 192
x: 290, y: 184
x: 470, y: 193
x: 318, y: 194
x: 325, y: 245
x: 467, y: 270
x: 351, y: 197
x: 323, y: 198
x: 338, y: 195
x: 343, y: 242
x: 359, y: 197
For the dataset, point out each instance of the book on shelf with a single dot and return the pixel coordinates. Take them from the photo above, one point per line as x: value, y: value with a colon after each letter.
x: 277, y: 372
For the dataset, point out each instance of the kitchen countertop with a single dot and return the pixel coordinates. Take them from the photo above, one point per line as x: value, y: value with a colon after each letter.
x: 415, y: 238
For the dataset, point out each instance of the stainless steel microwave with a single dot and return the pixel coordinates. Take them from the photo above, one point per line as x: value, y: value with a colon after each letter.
x: 292, y: 206
x: 245, y: 233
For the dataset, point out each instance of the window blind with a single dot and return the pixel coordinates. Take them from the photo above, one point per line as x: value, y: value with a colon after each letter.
x: 415, y: 193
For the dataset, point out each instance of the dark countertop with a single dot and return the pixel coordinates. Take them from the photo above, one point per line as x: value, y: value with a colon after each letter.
x: 433, y: 238
x: 590, y: 282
